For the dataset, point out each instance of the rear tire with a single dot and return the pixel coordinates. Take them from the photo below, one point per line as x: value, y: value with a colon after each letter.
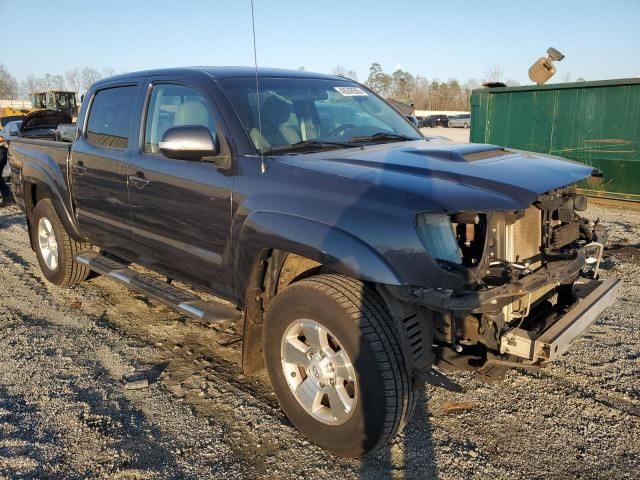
x: 357, y: 326
x: 54, y: 248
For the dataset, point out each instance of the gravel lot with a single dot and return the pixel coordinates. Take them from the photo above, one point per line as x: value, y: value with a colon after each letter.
x: 65, y: 411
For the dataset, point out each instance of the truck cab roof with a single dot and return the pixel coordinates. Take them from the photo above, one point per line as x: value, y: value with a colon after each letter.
x: 222, y: 72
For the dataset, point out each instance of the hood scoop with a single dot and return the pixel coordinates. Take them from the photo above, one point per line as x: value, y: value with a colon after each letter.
x: 471, y: 153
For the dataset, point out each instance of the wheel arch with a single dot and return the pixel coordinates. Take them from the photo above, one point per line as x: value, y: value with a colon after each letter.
x: 334, y: 248
x: 278, y: 249
x: 38, y: 184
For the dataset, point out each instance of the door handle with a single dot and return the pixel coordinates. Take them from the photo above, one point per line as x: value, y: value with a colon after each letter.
x: 138, y: 180
x: 79, y: 168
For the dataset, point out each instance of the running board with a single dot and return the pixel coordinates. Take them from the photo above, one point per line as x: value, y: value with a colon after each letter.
x: 181, y: 300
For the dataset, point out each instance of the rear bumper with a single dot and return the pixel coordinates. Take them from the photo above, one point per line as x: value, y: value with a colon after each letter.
x: 593, y: 298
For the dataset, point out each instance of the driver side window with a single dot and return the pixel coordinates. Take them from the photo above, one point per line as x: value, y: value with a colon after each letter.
x: 174, y: 105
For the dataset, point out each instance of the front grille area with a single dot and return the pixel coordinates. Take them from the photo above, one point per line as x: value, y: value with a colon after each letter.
x: 524, y: 237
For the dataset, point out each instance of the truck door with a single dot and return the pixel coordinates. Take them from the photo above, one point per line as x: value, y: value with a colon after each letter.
x: 181, y: 209
x: 99, y: 168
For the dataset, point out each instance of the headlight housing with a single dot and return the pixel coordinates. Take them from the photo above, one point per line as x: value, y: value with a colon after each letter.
x: 437, y: 236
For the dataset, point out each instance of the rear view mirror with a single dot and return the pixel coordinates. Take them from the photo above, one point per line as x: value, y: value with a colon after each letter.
x: 190, y: 142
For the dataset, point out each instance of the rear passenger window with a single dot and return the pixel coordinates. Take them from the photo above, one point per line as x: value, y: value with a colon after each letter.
x: 174, y: 106
x: 110, y: 117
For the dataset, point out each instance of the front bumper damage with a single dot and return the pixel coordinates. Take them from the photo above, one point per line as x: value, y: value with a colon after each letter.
x: 593, y: 297
x: 486, y: 300
x: 517, y: 342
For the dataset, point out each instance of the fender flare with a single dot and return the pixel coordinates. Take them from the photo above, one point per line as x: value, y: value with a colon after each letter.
x: 331, y: 246
x: 46, y: 176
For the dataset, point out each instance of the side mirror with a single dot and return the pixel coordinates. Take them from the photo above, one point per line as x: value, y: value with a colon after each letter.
x: 190, y: 142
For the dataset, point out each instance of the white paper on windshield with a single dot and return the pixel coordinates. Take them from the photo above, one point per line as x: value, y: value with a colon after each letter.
x: 351, y: 92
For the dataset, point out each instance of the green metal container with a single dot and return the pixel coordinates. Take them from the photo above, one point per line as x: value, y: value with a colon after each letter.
x: 596, y: 123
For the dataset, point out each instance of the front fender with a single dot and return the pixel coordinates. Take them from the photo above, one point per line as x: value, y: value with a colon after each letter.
x: 339, y: 250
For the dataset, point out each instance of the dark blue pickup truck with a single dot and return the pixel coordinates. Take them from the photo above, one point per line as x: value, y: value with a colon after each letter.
x: 357, y: 253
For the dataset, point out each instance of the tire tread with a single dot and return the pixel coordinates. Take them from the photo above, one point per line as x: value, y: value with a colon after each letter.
x: 73, y: 272
x: 377, y: 328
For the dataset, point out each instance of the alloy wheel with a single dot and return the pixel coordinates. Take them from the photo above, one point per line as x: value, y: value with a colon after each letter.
x: 319, y: 372
x: 47, y: 243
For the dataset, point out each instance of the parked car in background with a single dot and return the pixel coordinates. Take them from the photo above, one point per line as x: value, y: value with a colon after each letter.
x: 413, y: 119
x: 460, y: 121
x: 435, y: 121
x: 355, y: 253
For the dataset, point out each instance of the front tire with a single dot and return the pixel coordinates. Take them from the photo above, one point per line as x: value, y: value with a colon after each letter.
x: 54, y: 248
x: 336, y: 364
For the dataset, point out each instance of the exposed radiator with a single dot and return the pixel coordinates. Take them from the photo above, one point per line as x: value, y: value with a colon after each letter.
x: 523, y: 240
x: 524, y: 237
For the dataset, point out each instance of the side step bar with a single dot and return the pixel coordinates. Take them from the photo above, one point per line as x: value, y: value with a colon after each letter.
x: 181, y: 300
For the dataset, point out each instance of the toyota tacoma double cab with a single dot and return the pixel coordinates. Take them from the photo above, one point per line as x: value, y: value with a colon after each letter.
x: 356, y: 253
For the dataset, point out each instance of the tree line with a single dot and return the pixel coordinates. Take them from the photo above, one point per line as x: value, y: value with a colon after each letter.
x: 400, y: 85
x: 428, y: 94
x: 75, y: 80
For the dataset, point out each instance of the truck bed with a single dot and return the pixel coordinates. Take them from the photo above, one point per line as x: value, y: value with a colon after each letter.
x: 48, y: 156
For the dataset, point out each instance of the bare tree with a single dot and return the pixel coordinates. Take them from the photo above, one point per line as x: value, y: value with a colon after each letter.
x: 8, y: 84
x: 29, y: 85
x: 566, y: 78
x: 344, y: 72
x: 495, y: 74
x: 73, y: 80
x: 54, y: 82
x: 107, y: 72
x: 88, y: 76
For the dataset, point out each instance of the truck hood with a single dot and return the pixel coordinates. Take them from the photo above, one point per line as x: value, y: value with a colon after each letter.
x: 448, y: 176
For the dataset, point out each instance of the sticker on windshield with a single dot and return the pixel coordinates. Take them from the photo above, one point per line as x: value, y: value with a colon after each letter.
x: 351, y: 92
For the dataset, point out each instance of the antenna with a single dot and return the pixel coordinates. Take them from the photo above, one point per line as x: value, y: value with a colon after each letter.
x: 255, y: 60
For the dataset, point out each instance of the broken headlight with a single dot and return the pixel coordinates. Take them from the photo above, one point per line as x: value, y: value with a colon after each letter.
x: 436, y: 234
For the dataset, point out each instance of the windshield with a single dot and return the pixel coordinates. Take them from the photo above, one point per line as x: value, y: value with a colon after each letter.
x: 314, y: 113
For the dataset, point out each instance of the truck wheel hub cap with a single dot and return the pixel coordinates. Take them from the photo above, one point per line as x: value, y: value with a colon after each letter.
x: 319, y: 372
x: 47, y: 243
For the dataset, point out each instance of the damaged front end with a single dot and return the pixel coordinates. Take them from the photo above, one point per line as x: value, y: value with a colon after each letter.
x: 530, y: 284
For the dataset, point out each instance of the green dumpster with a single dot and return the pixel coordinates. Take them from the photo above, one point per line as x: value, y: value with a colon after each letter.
x: 596, y: 123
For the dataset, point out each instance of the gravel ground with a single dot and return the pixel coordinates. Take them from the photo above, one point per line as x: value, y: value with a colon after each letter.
x: 65, y: 411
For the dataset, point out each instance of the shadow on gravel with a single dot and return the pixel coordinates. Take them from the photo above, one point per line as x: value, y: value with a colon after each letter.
x: 15, y: 258
x: 12, y: 219
x: 419, y: 459
x: 128, y: 431
x: 21, y: 433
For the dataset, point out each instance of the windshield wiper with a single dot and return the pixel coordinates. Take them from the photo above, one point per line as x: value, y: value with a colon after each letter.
x: 380, y: 137
x: 308, y: 145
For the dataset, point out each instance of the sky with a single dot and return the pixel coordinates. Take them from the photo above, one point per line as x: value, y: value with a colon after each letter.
x: 435, y: 39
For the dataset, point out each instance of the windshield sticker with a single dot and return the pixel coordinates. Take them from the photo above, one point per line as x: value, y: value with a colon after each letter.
x: 351, y: 92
